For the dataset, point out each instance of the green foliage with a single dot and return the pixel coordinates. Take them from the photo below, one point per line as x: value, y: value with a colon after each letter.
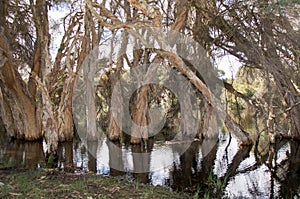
x: 197, y: 193
x: 253, y: 85
x: 211, y: 187
x: 206, y: 195
x: 136, y: 184
x: 52, y: 161
x: 216, y: 186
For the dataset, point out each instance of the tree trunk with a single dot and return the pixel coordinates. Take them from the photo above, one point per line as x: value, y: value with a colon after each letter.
x: 89, y: 72
x: 235, y: 129
x: 114, y: 130
x: 40, y: 72
x: 64, y: 114
x: 141, y: 162
x: 187, y: 118
x: 19, y: 116
x: 116, y: 163
x: 18, y: 108
x: 139, y: 129
x: 209, y: 122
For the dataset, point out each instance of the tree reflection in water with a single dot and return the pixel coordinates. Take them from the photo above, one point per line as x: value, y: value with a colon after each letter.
x: 263, y: 171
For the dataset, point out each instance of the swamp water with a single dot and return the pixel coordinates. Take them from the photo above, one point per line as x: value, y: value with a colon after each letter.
x: 262, y: 171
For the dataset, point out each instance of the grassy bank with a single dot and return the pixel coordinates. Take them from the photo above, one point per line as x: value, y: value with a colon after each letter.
x: 55, y: 184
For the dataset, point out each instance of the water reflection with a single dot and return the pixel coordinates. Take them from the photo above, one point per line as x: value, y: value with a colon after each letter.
x: 246, y: 172
x: 21, y: 154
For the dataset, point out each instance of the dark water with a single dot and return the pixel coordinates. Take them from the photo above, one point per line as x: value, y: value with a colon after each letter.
x: 262, y: 171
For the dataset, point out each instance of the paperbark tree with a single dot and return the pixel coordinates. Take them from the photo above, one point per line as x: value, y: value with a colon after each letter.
x: 30, y: 82
x: 36, y: 93
x: 261, y: 40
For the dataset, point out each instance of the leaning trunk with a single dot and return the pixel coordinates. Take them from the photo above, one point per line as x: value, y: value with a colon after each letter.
x: 236, y: 129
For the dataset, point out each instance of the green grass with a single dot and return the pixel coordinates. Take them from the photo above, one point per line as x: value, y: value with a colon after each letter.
x: 50, y: 183
x: 54, y: 184
x: 215, y: 186
x: 136, y: 184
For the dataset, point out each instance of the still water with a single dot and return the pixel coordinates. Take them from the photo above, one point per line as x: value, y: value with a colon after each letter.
x: 262, y: 171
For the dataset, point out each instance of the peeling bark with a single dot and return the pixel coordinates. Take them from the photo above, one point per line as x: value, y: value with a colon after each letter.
x: 17, y: 105
x: 114, y: 130
x: 140, y: 117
